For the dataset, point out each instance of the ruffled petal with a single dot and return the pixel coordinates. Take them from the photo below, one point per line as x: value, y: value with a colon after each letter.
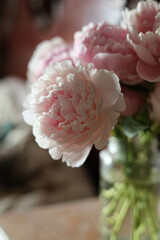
x: 76, y: 159
x: 42, y: 141
x: 143, y: 53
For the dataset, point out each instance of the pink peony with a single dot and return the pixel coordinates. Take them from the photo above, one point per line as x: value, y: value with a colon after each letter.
x: 106, y: 46
x: 72, y: 108
x: 154, y: 101
x: 46, y: 53
x: 134, y: 101
x: 143, y: 18
x: 143, y: 24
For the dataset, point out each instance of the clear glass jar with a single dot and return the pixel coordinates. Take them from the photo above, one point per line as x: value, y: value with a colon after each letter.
x: 130, y: 190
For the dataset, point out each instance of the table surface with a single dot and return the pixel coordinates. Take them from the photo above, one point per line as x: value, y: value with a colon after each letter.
x: 77, y: 220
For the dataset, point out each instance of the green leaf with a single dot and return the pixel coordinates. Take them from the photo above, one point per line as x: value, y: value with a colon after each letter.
x: 142, y: 116
x: 131, y: 127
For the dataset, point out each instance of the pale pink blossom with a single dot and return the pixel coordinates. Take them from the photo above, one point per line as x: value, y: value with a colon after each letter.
x: 154, y: 101
x: 46, y: 53
x: 143, y: 18
x: 143, y: 24
x: 134, y: 101
x: 105, y: 45
x: 72, y: 108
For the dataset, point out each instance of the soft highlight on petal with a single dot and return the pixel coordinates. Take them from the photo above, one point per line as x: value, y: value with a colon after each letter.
x: 76, y: 159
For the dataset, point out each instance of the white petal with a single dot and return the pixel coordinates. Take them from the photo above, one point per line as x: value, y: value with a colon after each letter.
x: 27, y: 101
x: 101, y: 142
x: 120, y: 105
x: 58, y: 67
x: 28, y: 117
x: 76, y: 159
x: 41, y: 140
x: 55, y: 154
x: 112, y: 120
x: 107, y: 86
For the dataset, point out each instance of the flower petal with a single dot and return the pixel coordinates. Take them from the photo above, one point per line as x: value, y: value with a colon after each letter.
x: 116, y: 62
x: 55, y: 154
x: 106, y: 81
x: 142, y: 52
x: 28, y: 117
x: 148, y: 72
x: 76, y: 159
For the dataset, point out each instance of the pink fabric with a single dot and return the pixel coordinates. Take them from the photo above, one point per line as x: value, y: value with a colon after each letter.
x: 106, y: 46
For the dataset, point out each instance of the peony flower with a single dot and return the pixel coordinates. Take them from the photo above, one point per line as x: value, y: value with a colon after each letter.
x: 143, y: 24
x: 72, y: 108
x: 142, y: 18
x: 154, y: 101
x: 105, y: 45
x: 46, y: 53
x: 134, y: 101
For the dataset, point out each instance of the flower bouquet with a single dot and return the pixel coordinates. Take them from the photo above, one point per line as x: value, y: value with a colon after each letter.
x: 103, y: 90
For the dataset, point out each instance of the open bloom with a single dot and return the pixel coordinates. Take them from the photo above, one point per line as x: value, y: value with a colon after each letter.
x: 46, y: 53
x: 143, y: 18
x: 154, y: 101
x: 72, y: 108
x: 105, y: 45
x: 143, y: 25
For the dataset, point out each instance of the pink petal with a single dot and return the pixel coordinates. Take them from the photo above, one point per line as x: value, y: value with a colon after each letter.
x: 112, y: 61
x: 148, y: 72
x: 143, y: 53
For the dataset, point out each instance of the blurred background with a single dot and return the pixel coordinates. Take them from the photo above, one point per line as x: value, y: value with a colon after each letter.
x: 28, y: 176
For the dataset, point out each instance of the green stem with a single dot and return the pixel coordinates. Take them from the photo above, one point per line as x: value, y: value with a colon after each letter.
x: 111, y: 206
x: 127, y: 196
x: 121, y: 215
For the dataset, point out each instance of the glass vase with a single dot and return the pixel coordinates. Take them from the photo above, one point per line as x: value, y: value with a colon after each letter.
x: 130, y: 189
